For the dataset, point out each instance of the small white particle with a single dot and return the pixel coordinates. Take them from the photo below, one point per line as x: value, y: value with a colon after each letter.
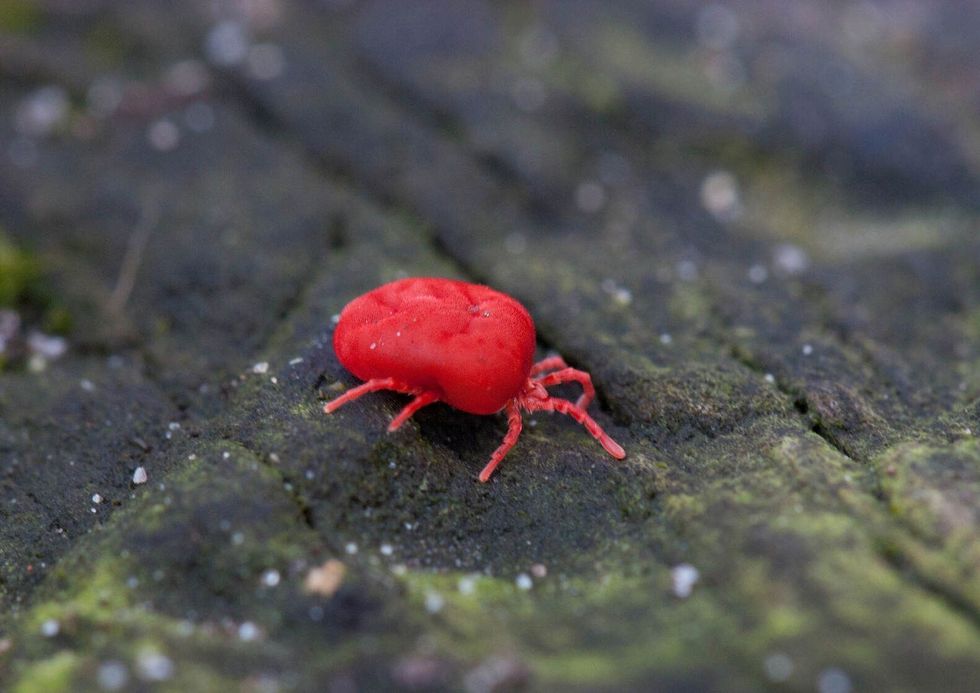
x: 96, y: 498
x: 87, y: 385
x: 665, y: 338
x: 720, y: 196
x: 296, y: 361
x: 50, y: 628
x: 173, y: 426
x: 274, y: 380
x: 351, y: 548
x: 153, y: 666
x: 374, y: 345
x: 466, y: 585
x: 225, y: 455
x: 237, y: 538
x: 684, y: 577
x: 398, y: 333
x: 834, y: 680
x: 226, y: 43
x: 758, y: 274
x: 539, y: 570
x: 261, y: 368
x: 524, y: 582
x: 807, y: 349
x: 139, y: 476
x: 270, y: 578
x: 778, y: 667
x: 770, y: 378
x: 434, y: 602
x: 112, y: 676
x: 790, y: 258
x: 387, y: 549
x: 163, y: 135
x: 248, y: 631
x: 93, y: 510
x: 335, y: 318
x: 274, y: 458
x: 192, y: 457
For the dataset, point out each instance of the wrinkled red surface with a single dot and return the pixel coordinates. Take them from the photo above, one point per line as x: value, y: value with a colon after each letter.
x: 468, y: 343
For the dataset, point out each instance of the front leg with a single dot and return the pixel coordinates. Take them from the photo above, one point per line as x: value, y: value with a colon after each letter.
x: 373, y: 385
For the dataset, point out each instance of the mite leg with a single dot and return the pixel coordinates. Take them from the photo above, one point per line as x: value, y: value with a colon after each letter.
x: 515, y: 424
x: 373, y: 385
x: 572, y: 375
x: 550, y: 363
x: 563, y: 406
x: 424, y: 399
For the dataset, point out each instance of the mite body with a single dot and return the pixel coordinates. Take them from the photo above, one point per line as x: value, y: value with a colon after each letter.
x: 442, y: 340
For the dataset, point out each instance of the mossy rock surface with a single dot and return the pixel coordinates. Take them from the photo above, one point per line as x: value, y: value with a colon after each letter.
x: 757, y: 233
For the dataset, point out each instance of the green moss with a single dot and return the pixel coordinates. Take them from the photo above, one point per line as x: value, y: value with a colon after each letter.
x: 49, y: 675
x: 19, y: 16
x: 18, y: 272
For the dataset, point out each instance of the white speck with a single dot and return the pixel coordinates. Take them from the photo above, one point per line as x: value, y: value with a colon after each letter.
x: 515, y: 243
x: 621, y: 295
x: 351, y: 548
x: 154, y: 666
x: 93, y: 510
x: 43, y: 111
x: 139, y: 475
x: 96, y: 498
x: 758, y: 274
x: 199, y: 117
x: 524, y: 582
x: 274, y: 458
x: 374, y: 345
x: 112, y: 675
x: 466, y: 585
x: 717, y: 27
x: 274, y: 380
x: 265, y: 61
x: 665, y: 338
x: 807, y: 349
x: 47, y: 346
x: 50, y: 628
x: 539, y: 570
x: 296, y: 361
x: 163, y: 135
x: 335, y: 318
x: 778, y: 667
x: 192, y: 457
x: 791, y: 259
x: 387, y: 549
x: 237, y: 538
x: 270, y: 578
x: 261, y: 368
x: 434, y: 602
x: 173, y: 426
x: 834, y: 680
x: 225, y: 455
x: 398, y: 333
x: 684, y: 577
x: 687, y: 271
x: 770, y: 378
x: 87, y: 385
x: 309, y: 474
x: 248, y: 631
x: 590, y: 196
x: 720, y: 196
x: 226, y: 43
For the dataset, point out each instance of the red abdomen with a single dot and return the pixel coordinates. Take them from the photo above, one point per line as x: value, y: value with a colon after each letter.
x: 472, y: 345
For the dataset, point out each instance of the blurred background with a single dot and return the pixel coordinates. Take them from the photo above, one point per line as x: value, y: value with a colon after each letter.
x: 755, y: 222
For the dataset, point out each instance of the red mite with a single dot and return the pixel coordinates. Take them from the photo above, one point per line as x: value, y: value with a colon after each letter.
x: 467, y: 345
